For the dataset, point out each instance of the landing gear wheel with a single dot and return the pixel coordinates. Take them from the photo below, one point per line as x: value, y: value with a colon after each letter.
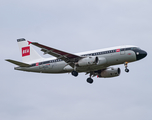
x: 74, y: 73
x: 90, y: 80
x: 127, y: 70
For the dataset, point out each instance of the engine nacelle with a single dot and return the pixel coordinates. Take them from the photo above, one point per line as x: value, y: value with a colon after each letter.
x: 109, y: 72
x: 92, y: 60
x: 102, y: 61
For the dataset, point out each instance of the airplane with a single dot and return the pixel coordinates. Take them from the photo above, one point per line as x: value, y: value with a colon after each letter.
x: 95, y: 63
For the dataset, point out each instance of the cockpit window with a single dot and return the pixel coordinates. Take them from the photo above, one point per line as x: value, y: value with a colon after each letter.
x: 135, y: 48
x: 138, y: 48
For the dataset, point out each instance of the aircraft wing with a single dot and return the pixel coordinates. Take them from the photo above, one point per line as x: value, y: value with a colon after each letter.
x: 67, y: 57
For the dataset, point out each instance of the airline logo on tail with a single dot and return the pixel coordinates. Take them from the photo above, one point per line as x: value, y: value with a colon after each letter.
x: 25, y: 51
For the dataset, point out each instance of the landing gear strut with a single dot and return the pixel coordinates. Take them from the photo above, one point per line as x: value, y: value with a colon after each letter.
x: 74, y: 73
x: 126, y: 67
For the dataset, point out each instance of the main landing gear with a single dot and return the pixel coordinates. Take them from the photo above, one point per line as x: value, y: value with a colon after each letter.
x: 90, y: 80
x: 126, y: 67
x: 74, y: 73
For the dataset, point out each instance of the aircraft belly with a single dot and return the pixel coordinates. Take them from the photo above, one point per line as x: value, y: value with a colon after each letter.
x: 54, y: 68
x: 90, y: 68
x: 46, y: 68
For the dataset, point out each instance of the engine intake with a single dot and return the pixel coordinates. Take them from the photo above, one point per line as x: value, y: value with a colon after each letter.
x: 110, y: 72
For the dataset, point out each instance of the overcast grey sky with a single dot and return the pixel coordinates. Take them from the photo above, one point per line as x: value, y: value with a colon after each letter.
x: 75, y: 26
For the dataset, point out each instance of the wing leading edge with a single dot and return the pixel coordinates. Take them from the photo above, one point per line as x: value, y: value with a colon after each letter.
x: 67, y: 57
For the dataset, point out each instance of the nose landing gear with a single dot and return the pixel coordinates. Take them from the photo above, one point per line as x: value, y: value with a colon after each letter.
x: 126, y: 67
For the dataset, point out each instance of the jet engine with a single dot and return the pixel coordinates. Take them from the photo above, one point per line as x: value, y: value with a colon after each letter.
x: 109, y: 72
x: 92, y: 60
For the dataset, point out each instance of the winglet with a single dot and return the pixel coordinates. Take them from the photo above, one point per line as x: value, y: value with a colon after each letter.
x: 29, y: 42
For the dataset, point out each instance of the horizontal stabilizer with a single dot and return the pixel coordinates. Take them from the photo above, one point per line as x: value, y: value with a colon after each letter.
x: 18, y: 63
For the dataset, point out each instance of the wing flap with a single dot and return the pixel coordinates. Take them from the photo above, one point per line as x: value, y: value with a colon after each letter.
x: 18, y: 63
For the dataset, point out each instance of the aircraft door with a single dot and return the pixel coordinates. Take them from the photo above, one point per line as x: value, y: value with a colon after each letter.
x: 41, y: 65
x: 122, y: 51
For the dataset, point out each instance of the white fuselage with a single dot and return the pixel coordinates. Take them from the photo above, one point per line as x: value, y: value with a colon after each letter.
x: 107, y: 57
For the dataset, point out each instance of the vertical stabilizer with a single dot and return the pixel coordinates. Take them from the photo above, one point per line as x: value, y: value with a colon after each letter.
x: 27, y: 52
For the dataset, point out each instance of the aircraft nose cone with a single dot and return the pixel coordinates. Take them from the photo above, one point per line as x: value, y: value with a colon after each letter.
x: 144, y: 54
x: 141, y: 54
